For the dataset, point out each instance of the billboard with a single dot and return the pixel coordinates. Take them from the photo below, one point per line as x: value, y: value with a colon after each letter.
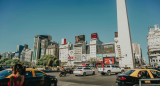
x: 109, y: 48
x: 80, y: 39
x: 94, y: 36
x: 108, y: 60
x: 99, y: 57
x: 63, y: 41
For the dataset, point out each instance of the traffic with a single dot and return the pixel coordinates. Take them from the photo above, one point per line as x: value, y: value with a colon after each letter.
x: 125, y: 77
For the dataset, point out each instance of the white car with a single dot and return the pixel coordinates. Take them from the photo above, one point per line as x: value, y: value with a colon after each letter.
x: 40, y: 69
x: 108, y: 69
x: 83, y: 71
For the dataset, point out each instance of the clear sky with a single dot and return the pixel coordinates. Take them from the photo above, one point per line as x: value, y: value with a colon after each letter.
x: 21, y: 20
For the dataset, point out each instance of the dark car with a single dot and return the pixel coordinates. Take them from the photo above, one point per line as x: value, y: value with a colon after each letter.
x: 1, y: 68
x: 33, y: 77
x: 69, y: 70
x: 132, y: 77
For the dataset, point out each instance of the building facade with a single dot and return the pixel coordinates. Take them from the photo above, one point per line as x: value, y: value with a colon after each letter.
x: 64, y: 49
x: 137, y: 54
x: 43, y: 45
x: 153, y: 40
x: 53, y: 49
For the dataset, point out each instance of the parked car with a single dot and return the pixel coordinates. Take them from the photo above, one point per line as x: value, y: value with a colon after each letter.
x: 84, y: 71
x: 40, y: 68
x: 108, y: 69
x: 33, y: 77
x: 69, y: 70
x: 132, y: 77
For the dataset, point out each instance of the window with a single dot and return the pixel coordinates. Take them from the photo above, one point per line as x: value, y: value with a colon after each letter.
x: 38, y: 73
x: 129, y: 72
x: 28, y: 74
x: 116, y: 67
x: 5, y: 73
x: 144, y: 75
x: 155, y: 74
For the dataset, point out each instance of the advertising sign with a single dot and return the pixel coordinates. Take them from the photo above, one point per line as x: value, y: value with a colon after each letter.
x: 94, y: 36
x: 84, y: 57
x: 99, y: 57
x: 71, y: 55
x: 108, y: 60
x: 109, y: 49
x: 80, y: 38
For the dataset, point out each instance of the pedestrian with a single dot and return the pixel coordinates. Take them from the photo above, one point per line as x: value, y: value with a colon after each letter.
x: 17, y: 79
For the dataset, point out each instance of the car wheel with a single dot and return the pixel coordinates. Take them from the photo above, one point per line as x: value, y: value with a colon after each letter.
x: 93, y: 73
x: 109, y: 72
x: 60, y: 75
x: 102, y: 73
x: 52, y: 84
x: 84, y: 74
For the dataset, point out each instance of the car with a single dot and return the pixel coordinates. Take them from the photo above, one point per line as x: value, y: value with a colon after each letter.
x: 108, y: 69
x: 131, y: 77
x: 33, y: 77
x: 1, y: 68
x: 40, y: 68
x: 69, y: 70
x: 83, y: 71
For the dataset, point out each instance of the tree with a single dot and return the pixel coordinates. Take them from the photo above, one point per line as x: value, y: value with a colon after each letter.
x: 3, y: 60
x: 47, y: 60
x: 7, y: 61
x: 93, y: 61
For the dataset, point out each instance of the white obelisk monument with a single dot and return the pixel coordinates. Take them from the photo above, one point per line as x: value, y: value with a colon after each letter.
x: 124, y: 36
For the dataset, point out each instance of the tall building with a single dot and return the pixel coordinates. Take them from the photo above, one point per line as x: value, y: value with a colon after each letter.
x: 41, y: 43
x: 53, y: 49
x: 154, y: 45
x: 19, y: 50
x: 124, y: 37
x: 8, y: 55
x: 80, y: 50
x: 95, y: 46
x: 26, y: 54
x: 64, y: 50
x: 137, y: 54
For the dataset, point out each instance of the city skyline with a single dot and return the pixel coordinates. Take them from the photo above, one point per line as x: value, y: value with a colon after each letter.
x: 22, y: 20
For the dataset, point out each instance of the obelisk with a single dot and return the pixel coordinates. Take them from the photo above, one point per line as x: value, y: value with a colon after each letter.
x: 124, y: 36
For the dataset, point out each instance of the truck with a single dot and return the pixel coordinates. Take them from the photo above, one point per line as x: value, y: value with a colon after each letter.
x: 109, y: 69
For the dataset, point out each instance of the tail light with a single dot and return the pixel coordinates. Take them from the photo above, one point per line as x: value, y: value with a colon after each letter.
x: 80, y: 70
x: 122, y: 78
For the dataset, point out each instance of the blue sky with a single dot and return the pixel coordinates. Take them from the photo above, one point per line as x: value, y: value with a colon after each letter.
x: 21, y: 20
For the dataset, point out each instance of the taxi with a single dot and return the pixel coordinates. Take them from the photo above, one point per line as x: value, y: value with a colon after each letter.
x: 131, y: 77
x: 33, y: 77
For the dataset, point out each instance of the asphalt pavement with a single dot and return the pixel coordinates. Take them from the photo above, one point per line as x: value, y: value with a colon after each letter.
x: 90, y: 80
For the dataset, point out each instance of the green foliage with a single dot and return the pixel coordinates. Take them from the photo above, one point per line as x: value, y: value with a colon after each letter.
x: 7, y: 61
x: 47, y: 60
x: 93, y: 61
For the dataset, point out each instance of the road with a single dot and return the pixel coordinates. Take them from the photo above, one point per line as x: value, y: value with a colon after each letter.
x: 90, y: 80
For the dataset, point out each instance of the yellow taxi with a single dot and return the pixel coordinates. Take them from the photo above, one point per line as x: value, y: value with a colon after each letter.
x: 33, y: 77
x: 131, y: 77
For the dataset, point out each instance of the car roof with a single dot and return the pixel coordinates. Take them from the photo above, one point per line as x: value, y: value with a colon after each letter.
x: 134, y: 74
x: 142, y: 69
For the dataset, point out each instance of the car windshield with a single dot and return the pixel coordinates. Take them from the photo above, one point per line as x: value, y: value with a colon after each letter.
x: 79, y: 68
x: 5, y: 73
x: 129, y: 72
